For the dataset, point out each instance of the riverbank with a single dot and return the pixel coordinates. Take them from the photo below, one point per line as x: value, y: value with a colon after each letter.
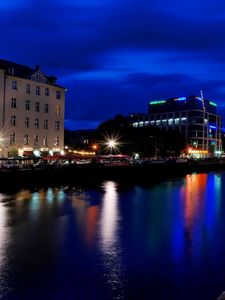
x: 76, y: 175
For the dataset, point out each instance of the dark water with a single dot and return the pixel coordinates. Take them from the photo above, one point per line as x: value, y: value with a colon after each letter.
x: 164, y: 241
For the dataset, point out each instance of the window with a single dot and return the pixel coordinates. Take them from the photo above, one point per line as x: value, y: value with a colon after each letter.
x: 58, y: 94
x: 27, y: 104
x: 57, y: 110
x: 12, y: 138
x: 35, y: 140
x: 45, y: 124
x: 13, y: 120
x: 56, y: 141
x: 37, y: 90
x: 11, y: 70
x: 26, y: 139
x: 27, y: 88
x: 47, y: 92
x: 27, y: 122
x: 46, y: 108
x: 177, y: 121
x: 36, y: 123
x: 13, y: 103
x: 14, y: 85
x: 38, y: 78
x: 170, y: 121
x: 45, y: 141
x: 37, y: 106
x: 56, y: 125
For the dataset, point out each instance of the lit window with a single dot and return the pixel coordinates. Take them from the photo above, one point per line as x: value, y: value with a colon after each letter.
x: 14, y: 85
x: 177, y: 121
x: 27, y: 104
x: 13, y: 120
x: 36, y: 123
x: 37, y: 106
x: 45, y: 124
x: 183, y: 120
x: 13, y: 103
x: 26, y: 139
x: 37, y: 90
x: 56, y: 141
x: 27, y: 122
x: 47, y: 92
x: 58, y: 95
x: 28, y: 89
x: 57, y: 110
x: 12, y: 138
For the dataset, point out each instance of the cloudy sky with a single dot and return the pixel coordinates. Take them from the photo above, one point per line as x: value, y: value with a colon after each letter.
x: 116, y: 55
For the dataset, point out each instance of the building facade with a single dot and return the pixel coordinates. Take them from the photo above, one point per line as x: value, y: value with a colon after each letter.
x: 31, y: 110
x: 195, y: 117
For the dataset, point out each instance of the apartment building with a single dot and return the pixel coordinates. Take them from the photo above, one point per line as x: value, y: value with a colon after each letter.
x: 196, y: 117
x: 31, y: 110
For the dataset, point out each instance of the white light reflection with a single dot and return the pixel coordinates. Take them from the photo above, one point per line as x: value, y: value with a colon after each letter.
x: 109, y: 242
x: 109, y: 216
x: 4, y: 238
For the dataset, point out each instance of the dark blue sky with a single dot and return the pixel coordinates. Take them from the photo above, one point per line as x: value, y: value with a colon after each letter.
x: 115, y: 55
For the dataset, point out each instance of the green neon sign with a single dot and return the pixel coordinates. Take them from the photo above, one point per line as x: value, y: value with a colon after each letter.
x: 157, y: 102
x: 212, y: 103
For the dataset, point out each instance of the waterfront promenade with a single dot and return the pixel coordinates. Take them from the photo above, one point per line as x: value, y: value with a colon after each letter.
x: 91, y: 173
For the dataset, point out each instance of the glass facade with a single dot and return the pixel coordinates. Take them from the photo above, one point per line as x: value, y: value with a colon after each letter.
x: 195, y: 117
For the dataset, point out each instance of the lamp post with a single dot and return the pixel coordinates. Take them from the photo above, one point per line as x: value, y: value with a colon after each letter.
x: 111, y: 145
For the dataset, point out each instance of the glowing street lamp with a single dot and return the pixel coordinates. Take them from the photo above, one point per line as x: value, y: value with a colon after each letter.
x: 111, y: 143
x: 94, y: 147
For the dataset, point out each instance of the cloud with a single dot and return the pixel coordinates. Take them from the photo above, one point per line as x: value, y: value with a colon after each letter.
x: 114, y: 55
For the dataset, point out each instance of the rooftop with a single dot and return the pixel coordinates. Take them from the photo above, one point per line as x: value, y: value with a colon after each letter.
x: 22, y: 71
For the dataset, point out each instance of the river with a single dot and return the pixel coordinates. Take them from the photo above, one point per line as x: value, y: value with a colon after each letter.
x: 115, y: 241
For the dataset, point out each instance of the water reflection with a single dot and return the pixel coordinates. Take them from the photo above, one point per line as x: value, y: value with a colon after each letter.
x: 109, y: 241
x: 193, y: 193
x: 144, y: 241
x: 91, y: 223
x: 4, y: 233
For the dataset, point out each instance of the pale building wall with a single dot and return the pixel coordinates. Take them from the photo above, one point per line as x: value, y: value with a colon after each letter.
x: 55, y: 114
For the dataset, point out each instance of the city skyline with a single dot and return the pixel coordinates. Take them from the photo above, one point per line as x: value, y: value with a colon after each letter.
x: 114, y: 57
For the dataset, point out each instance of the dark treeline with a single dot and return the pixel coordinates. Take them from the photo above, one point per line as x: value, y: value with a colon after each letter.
x: 147, y: 141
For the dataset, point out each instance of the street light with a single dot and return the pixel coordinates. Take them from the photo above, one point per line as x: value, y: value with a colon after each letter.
x: 112, y: 145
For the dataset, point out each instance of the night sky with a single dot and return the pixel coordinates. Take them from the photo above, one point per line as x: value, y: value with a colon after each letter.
x: 116, y: 55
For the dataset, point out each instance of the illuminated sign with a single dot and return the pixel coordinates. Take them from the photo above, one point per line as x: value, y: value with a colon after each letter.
x: 157, y: 102
x: 180, y: 99
x: 212, y: 103
x: 198, y: 151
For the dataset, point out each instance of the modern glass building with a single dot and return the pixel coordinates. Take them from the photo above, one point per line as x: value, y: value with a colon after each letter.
x: 196, y: 117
